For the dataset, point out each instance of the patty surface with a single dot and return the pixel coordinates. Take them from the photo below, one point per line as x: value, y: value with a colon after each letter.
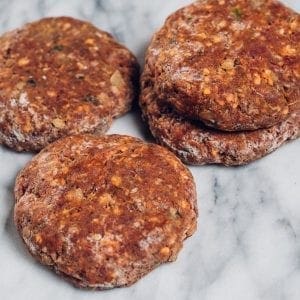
x: 104, y: 211
x: 194, y: 143
x: 61, y: 76
x: 233, y: 64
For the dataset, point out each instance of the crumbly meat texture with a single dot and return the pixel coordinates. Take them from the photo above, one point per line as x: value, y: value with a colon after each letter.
x: 104, y: 211
x: 61, y: 76
x: 198, y: 144
x: 233, y: 64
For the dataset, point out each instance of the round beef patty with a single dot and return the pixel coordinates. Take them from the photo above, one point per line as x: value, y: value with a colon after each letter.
x: 104, y: 211
x: 197, y: 144
x: 61, y: 76
x: 235, y: 65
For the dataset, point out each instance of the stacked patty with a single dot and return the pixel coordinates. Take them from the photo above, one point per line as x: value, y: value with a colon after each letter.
x: 104, y: 211
x: 222, y: 81
x: 61, y: 76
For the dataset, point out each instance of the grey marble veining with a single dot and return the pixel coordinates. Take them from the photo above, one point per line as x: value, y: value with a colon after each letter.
x: 248, y: 242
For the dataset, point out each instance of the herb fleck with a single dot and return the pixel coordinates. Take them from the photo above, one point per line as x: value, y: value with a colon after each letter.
x: 91, y: 99
x: 237, y: 13
x: 58, y: 48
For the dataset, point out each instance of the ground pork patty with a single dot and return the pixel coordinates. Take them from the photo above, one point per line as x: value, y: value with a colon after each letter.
x: 61, y: 76
x: 197, y: 144
x: 233, y: 64
x: 104, y: 211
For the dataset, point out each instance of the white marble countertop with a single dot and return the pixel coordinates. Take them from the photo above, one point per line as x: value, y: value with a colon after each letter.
x: 248, y: 242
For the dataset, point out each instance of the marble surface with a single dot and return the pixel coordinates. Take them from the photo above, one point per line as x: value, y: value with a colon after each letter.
x: 248, y: 242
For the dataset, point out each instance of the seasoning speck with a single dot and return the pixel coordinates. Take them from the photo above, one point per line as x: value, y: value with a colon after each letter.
x: 237, y: 13
x: 31, y: 82
x: 58, y: 48
x: 91, y: 99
